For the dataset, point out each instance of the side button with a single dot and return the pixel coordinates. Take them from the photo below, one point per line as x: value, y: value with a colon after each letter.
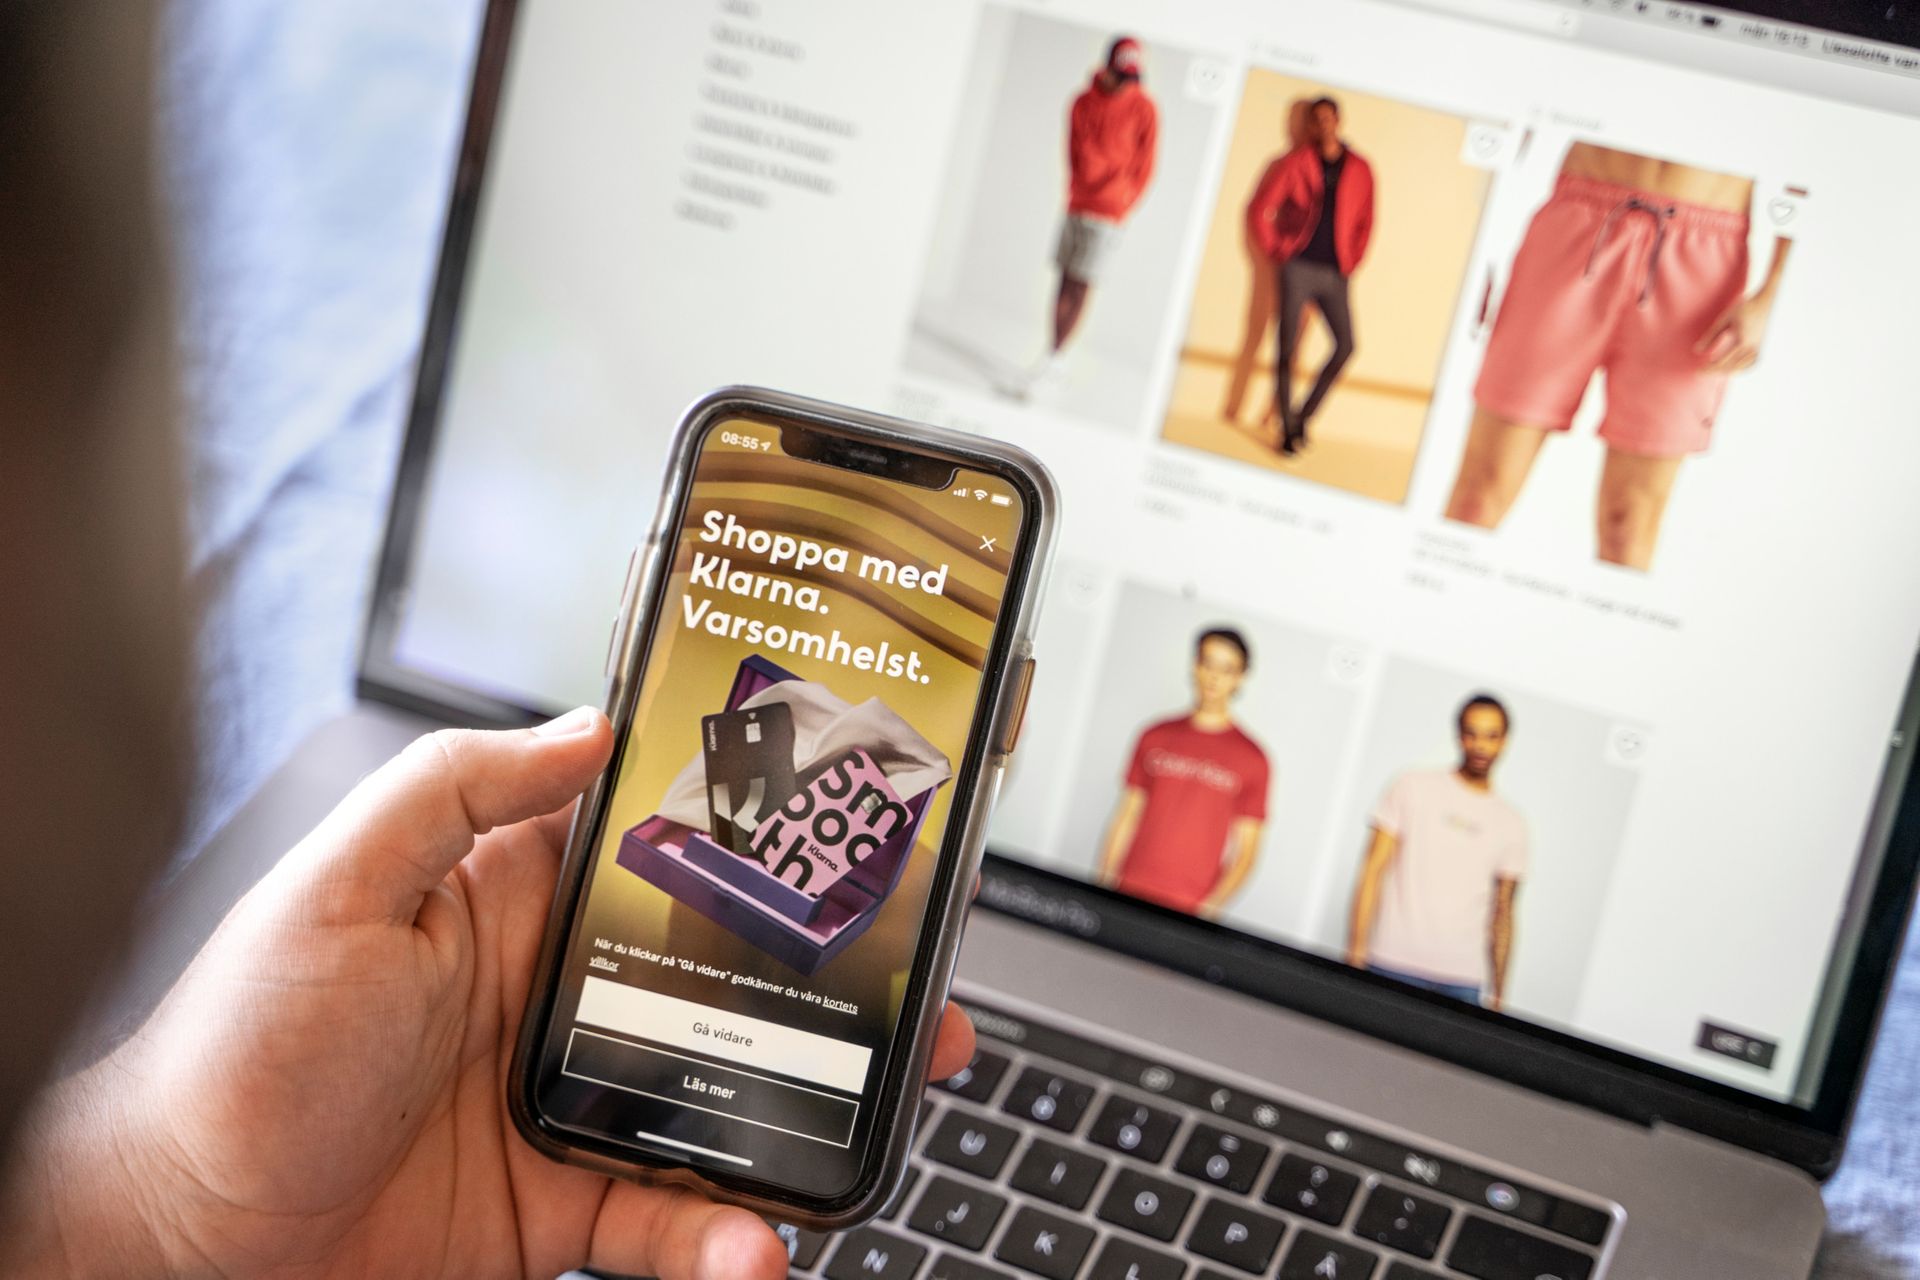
x: 619, y: 613
x: 1017, y: 718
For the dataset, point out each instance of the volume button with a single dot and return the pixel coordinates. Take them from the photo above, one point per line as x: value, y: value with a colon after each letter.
x: 619, y: 613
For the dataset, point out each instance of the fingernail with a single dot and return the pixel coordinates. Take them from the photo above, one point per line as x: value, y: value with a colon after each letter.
x: 578, y: 720
x: 734, y: 1246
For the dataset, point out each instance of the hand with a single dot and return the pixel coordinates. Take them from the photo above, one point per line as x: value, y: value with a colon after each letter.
x: 1732, y: 342
x: 323, y: 1092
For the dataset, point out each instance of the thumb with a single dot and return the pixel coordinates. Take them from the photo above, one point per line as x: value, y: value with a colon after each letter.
x: 397, y: 835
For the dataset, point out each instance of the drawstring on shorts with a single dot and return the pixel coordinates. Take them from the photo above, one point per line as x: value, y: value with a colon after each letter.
x: 1662, y: 218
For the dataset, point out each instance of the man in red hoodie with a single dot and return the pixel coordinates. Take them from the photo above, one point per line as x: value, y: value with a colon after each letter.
x: 1312, y: 216
x: 1112, y: 135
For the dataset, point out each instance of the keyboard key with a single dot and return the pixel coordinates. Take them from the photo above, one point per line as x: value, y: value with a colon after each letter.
x: 1124, y: 1260
x: 1312, y: 1189
x: 1135, y: 1128
x: 1407, y: 1271
x: 803, y: 1246
x: 1317, y: 1257
x: 1588, y: 1226
x: 1224, y: 1159
x: 1058, y: 1173
x: 1045, y: 1245
x: 900, y: 1194
x: 977, y: 1080
x: 947, y: 1266
x: 957, y: 1214
x: 869, y: 1254
x: 1050, y: 1098
x: 971, y: 1145
x: 1149, y: 1205
x: 1404, y: 1222
x: 1235, y: 1235
x: 1487, y: 1250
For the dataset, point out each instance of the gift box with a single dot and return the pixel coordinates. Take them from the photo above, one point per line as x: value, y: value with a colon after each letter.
x: 801, y: 929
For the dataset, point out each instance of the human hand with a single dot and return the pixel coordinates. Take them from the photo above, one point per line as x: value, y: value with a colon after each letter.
x: 1732, y: 342
x: 323, y: 1092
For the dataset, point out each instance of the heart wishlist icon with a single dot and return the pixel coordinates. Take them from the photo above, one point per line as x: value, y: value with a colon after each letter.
x: 1781, y: 210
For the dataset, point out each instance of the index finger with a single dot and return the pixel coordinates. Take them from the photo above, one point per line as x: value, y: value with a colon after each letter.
x: 954, y: 1046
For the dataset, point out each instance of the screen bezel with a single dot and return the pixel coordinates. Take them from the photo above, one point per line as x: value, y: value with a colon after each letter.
x: 896, y: 1093
x: 1533, y: 1056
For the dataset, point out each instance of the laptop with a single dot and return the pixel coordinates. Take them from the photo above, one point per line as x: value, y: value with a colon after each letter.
x: 1522, y: 905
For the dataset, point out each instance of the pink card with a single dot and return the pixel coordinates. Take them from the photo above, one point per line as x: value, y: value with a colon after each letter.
x: 826, y: 828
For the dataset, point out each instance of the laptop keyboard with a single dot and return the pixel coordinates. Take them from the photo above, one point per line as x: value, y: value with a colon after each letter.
x: 1054, y: 1156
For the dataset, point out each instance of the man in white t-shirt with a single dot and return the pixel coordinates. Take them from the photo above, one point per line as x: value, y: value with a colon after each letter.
x: 1434, y: 905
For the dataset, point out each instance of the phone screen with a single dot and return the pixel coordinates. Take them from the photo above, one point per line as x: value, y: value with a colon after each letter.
x: 809, y: 714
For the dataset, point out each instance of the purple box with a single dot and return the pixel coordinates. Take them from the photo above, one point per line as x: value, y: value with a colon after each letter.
x: 739, y: 894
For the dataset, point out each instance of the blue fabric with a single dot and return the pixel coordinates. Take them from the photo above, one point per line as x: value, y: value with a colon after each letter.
x: 1453, y: 990
x: 312, y: 150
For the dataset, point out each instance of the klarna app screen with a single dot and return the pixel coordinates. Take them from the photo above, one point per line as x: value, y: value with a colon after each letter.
x: 758, y: 892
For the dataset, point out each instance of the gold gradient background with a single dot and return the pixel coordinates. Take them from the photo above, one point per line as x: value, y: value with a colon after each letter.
x: 690, y: 671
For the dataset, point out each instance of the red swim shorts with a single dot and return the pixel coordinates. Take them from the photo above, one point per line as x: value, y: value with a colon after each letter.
x: 1622, y: 280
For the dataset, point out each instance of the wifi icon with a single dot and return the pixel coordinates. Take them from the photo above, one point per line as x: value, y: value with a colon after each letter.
x: 979, y: 495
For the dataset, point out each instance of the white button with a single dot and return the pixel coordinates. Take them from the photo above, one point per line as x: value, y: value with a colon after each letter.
x: 671, y: 1021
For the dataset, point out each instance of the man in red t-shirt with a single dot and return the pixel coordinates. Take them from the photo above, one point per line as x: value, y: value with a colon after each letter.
x: 1113, y: 138
x: 1187, y: 829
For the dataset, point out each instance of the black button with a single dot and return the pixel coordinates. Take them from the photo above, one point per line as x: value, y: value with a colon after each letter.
x: 1224, y: 1159
x: 947, y: 1266
x: 1058, y: 1173
x: 1317, y: 1257
x: 1125, y: 1260
x: 1235, y: 1235
x: 803, y: 1246
x: 1588, y: 1226
x: 1045, y: 1245
x: 900, y: 1193
x: 736, y: 1100
x: 1404, y: 1222
x: 975, y: 1146
x: 1049, y: 1098
x: 867, y: 1254
x: 1135, y: 1128
x: 1487, y: 1250
x: 957, y: 1214
x: 1149, y: 1205
x: 1312, y: 1189
x: 977, y: 1080
x: 1407, y: 1271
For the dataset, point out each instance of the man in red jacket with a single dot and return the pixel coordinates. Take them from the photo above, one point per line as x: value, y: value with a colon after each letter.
x: 1312, y: 216
x: 1112, y: 135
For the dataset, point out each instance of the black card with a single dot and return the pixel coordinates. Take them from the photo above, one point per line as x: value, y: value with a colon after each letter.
x: 749, y: 762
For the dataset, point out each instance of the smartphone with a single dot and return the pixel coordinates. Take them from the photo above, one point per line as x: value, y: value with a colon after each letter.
x: 816, y: 678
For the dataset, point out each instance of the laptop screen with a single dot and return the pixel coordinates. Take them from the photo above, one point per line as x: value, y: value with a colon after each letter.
x: 1486, y: 429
